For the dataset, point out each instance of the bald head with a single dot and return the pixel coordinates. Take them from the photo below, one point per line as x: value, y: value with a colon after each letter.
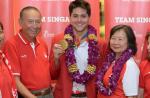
x: 28, y: 8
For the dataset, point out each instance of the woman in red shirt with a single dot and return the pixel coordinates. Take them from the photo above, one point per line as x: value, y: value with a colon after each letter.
x: 7, y: 83
x: 145, y: 70
x: 119, y: 74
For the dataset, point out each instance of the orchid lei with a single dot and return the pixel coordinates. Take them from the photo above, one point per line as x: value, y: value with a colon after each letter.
x: 93, y: 55
x: 116, y: 70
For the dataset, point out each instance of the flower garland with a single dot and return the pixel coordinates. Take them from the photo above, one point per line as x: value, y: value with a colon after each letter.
x: 116, y: 70
x: 93, y: 55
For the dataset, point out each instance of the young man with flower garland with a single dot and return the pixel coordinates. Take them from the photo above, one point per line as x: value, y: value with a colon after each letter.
x: 77, y: 55
x: 119, y: 75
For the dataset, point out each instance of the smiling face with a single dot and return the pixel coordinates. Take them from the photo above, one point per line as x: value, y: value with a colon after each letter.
x: 119, y: 42
x: 79, y: 19
x: 30, y: 23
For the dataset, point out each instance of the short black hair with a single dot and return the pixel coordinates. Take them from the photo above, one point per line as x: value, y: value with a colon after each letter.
x: 28, y: 8
x: 129, y: 33
x: 80, y: 3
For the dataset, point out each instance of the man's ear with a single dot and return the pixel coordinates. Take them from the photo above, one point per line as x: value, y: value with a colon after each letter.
x: 20, y: 21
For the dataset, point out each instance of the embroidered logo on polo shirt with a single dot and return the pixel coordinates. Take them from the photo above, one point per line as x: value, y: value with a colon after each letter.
x: 24, y: 56
x: 45, y: 56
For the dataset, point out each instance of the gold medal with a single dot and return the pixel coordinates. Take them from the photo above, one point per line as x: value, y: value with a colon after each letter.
x: 64, y: 44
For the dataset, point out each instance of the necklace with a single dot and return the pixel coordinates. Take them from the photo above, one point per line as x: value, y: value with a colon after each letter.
x: 93, y: 55
x: 116, y: 70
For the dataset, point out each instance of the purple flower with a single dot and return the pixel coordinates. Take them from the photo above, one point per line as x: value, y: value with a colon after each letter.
x: 93, y: 55
x: 116, y: 70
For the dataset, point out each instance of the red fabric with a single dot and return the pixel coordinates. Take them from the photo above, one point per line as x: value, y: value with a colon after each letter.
x: 34, y: 69
x: 145, y: 77
x: 118, y: 93
x: 54, y: 70
x: 7, y: 83
x: 144, y: 53
x: 103, y: 45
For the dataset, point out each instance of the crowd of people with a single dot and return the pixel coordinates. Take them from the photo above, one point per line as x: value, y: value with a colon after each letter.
x: 82, y: 66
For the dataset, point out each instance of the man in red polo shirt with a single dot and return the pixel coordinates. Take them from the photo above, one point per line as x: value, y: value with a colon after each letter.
x: 28, y: 55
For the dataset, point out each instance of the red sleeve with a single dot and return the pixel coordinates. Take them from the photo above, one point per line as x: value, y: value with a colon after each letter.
x: 10, y: 51
x: 55, y: 70
x: 103, y: 51
x: 141, y: 81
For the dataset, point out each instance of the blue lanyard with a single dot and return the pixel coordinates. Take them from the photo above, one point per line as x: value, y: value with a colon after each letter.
x: 84, y: 35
